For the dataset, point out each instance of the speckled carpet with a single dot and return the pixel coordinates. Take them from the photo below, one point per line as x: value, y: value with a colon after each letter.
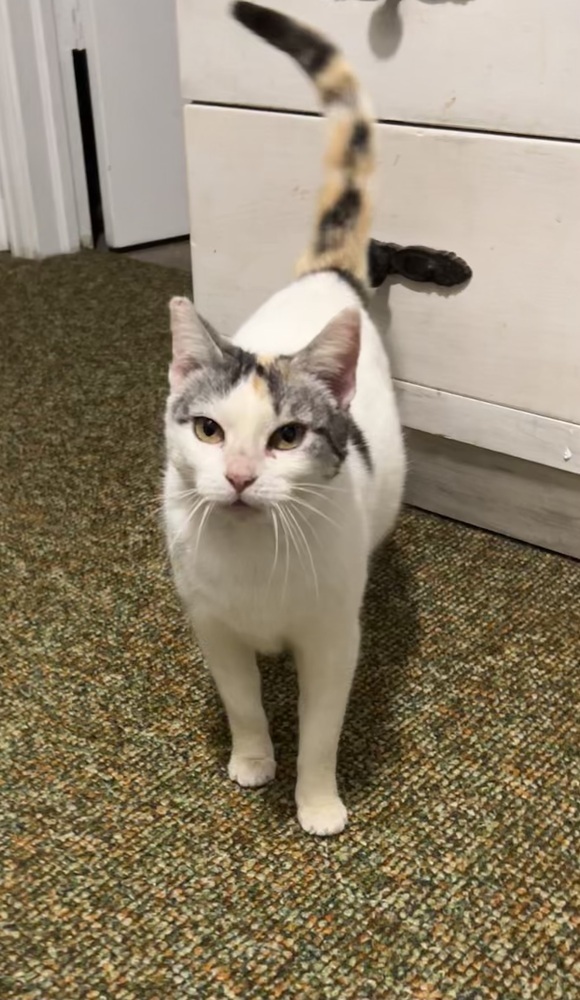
x: 131, y: 867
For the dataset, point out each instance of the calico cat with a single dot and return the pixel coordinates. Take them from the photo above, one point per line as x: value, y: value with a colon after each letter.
x: 285, y: 460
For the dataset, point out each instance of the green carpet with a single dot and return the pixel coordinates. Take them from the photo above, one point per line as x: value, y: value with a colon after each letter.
x: 131, y: 867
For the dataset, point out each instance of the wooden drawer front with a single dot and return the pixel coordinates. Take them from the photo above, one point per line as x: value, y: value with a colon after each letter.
x: 499, y: 65
x: 511, y: 207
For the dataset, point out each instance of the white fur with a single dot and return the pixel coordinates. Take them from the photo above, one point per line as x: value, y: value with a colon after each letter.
x: 249, y: 587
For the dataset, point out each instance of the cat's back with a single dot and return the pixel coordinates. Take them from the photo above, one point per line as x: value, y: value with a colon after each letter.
x: 292, y: 317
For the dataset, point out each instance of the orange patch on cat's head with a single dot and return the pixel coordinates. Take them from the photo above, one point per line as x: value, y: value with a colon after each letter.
x: 259, y: 383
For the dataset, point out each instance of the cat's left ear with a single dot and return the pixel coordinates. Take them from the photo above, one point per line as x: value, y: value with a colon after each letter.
x: 193, y: 344
x: 332, y: 356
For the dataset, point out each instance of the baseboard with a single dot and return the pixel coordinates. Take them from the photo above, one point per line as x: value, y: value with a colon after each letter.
x: 531, y: 436
x: 525, y: 500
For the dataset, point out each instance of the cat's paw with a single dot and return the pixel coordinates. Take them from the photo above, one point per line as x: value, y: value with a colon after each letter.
x: 251, y: 772
x: 324, y: 818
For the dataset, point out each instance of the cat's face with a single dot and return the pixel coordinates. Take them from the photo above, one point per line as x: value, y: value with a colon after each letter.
x: 247, y: 431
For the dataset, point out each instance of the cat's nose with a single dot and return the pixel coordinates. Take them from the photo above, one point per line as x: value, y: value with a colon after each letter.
x: 240, y: 482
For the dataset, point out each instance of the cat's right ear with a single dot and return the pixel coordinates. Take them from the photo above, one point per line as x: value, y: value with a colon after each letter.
x: 193, y: 344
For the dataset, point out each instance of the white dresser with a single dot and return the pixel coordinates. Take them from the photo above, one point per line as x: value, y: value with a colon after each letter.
x: 479, y: 153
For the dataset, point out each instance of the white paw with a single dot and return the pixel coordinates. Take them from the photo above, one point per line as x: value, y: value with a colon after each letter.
x: 251, y: 772
x: 324, y: 818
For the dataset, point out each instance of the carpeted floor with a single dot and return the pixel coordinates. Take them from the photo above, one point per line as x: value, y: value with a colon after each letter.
x: 132, y: 868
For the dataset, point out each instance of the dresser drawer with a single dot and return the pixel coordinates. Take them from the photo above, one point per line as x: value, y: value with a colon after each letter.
x: 497, y: 65
x: 510, y: 207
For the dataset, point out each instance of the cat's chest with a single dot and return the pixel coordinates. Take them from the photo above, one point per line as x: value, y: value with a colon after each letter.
x: 269, y: 587
x: 259, y: 589
x: 247, y: 607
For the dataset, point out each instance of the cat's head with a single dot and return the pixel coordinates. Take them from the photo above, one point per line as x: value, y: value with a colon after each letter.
x: 245, y: 430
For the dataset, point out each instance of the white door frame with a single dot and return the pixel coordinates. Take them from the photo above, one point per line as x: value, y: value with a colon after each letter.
x: 46, y: 210
x: 3, y: 228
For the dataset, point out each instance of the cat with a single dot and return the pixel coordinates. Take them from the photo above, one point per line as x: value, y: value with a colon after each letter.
x: 285, y: 463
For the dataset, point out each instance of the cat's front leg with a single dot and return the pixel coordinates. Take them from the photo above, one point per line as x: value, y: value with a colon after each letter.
x: 326, y: 663
x: 235, y: 672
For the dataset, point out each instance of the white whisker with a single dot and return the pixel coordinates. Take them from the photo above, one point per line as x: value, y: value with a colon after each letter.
x: 291, y: 534
x: 275, y: 563
x: 315, y: 493
x: 204, y: 517
x: 326, y: 487
x: 184, y: 526
x: 285, y: 529
x: 315, y: 510
x: 293, y: 516
x: 162, y: 499
x: 180, y: 495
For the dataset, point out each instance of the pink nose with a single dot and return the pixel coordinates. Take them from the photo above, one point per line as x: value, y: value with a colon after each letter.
x: 240, y: 481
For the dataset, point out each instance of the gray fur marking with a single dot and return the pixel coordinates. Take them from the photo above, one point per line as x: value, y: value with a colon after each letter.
x: 296, y: 395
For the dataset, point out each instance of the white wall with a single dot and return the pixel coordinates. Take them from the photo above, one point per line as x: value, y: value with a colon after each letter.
x: 35, y: 163
x: 137, y: 108
x: 3, y: 229
x: 132, y: 54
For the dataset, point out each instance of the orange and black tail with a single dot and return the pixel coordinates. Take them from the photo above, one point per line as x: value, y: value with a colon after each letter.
x: 341, y: 232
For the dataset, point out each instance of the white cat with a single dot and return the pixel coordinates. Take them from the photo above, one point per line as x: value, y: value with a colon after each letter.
x: 285, y: 462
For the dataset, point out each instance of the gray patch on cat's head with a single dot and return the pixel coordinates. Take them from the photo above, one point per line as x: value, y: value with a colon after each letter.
x: 216, y: 379
x: 308, y: 401
x: 303, y: 397
x: 297, y: 396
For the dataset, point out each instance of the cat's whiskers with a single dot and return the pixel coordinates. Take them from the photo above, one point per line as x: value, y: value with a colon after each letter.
x: 292, y: 515
x: 179, y: 495
x: 162, y: 498
x: 183, y: 494
x: 278, y: 508
x: 315, y: 493
x: 290, y: 536
x: 324, y: 487
x: 209, y: 508
x: 185, y: 524
x: 308, y: 506
x: 304, y: 519
x: 275, y: 562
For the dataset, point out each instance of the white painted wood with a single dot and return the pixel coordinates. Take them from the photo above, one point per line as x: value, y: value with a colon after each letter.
x: 511, y: 207
x: 501, y: 65
x: 531, y: 502
x: 132, y: 54
x: 69, y: 36
x: 34, y: 151
x: 3, y: 227
x: 486, y: 425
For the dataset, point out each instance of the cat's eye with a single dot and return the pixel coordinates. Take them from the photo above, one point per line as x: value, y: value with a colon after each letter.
x: 208, y: 430
x: 286, y: 437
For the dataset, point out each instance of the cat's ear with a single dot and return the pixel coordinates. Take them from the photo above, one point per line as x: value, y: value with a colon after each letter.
x: 193, y: 344
x: 332, y: 356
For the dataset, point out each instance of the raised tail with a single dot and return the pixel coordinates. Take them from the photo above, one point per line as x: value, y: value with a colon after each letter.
x: 341, y: 232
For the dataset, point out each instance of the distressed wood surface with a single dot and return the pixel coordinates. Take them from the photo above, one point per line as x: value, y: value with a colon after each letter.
x: 486, y: 425
x: 490, y: 64
x: 531, y: 502
x: 510, y: 207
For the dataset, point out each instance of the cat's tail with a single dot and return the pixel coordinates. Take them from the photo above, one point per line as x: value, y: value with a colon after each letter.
x: 342, y: 224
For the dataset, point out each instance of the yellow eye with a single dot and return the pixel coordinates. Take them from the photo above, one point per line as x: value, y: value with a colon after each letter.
x: 207, y: 430
x: 287, y: 437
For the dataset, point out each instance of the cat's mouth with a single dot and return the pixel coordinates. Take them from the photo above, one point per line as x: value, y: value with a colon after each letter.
x: 240, y: 507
